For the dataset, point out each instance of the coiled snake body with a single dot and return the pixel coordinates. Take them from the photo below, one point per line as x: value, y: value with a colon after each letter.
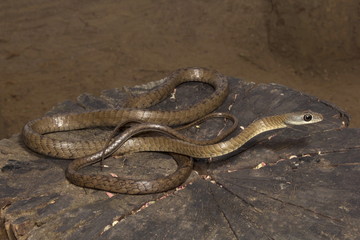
x: 89, y: 151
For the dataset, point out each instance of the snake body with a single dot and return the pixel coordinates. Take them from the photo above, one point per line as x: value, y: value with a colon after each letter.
x: 34, y: 138
x: 124, y: 144
x: 34, y: 131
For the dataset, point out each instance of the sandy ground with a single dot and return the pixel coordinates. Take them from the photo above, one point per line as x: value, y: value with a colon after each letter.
x: 51, y: 51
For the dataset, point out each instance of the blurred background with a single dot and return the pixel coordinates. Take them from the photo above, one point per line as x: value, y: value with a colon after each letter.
x: 51, y: 51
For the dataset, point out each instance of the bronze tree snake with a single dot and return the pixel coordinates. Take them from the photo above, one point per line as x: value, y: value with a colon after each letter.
x: 87, y: 152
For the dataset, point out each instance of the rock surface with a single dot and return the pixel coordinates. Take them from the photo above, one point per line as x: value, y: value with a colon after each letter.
x: 299, y: 183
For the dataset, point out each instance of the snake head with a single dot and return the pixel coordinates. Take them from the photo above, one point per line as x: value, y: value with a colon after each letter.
x: 302, y: 118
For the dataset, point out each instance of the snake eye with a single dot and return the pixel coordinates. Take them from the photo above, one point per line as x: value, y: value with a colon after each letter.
x: 307, y: 117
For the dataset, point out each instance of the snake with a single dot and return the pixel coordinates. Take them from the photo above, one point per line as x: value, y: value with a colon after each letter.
x: 88, y: 152
x: 135, y: 109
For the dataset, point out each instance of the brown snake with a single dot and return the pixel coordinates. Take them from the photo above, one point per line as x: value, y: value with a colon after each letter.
x: 34, y: 138
x: 33, y: 132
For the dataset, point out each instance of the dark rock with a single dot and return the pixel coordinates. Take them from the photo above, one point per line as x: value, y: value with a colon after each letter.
x: 299, y: 183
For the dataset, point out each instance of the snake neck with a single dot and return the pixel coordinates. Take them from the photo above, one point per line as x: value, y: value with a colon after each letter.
x: 270, y: 123
x: 254, y: 129
x: 261, y: 126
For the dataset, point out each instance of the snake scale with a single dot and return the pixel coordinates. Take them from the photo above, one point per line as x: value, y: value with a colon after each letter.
x: 91, y: 151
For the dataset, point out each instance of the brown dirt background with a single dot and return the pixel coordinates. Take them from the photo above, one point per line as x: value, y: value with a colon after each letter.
x: 51, y: 51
